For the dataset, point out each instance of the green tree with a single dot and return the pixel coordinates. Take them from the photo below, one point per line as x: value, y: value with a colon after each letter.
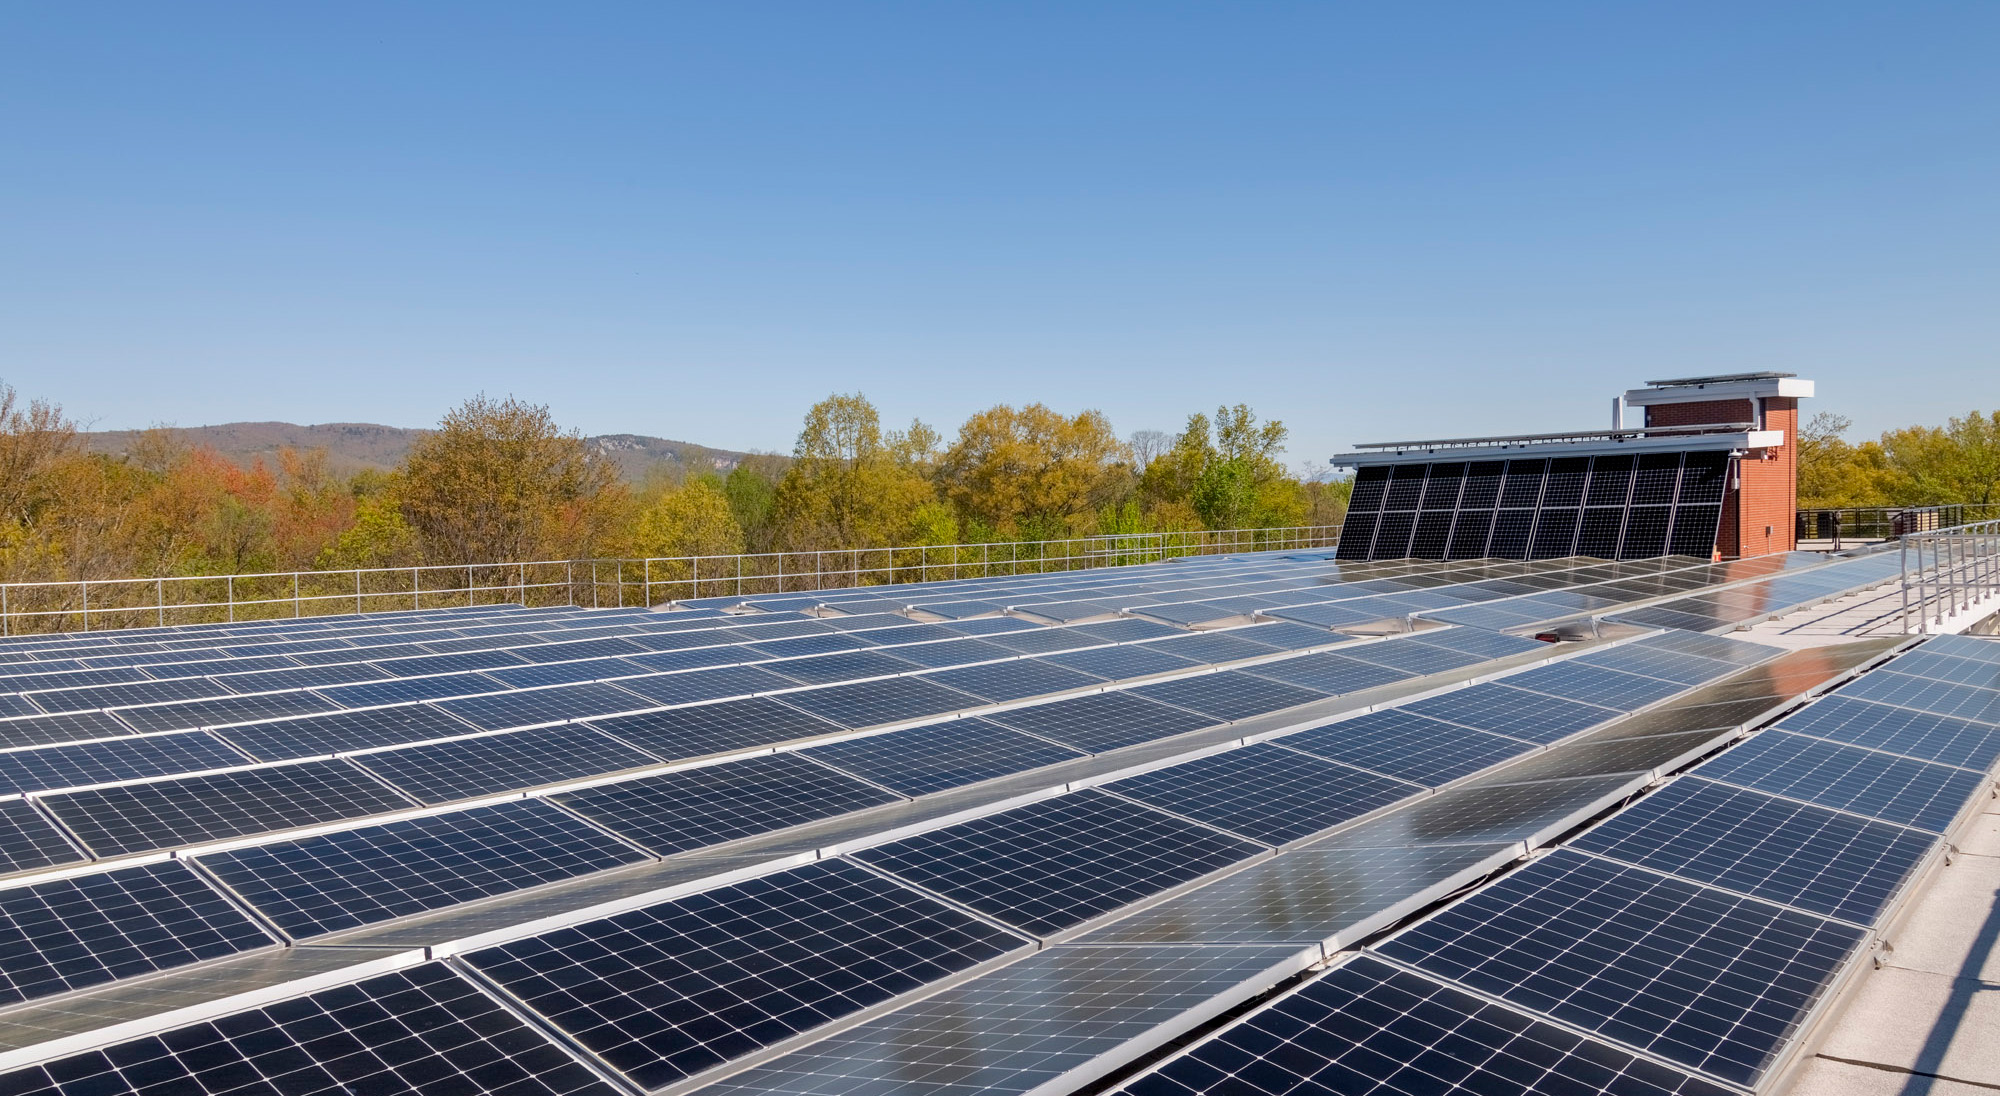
x: 1034, y: 468
x: 848, y: 485
x: 695, y: 520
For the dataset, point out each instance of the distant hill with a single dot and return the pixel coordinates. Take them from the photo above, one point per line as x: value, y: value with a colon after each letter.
x: 353, y: 446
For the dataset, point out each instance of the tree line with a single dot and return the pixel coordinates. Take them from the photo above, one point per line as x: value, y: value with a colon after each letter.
x: 1958, y: 462
x: 499, y: 480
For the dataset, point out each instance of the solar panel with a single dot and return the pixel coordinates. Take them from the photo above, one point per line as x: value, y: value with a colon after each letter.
x: 842, y: 666
x: 1398, y: 743
x: 193, y: 809
x: 192, y: 714
x: 411, y: 690
x: 69, y: 679
x: 871, y: 703
x: 334, y: 881
x: 43, y: 730
x: 466, y: 768
x: 676, y: 811
x: 1805, y: 856
x: 66, y: 934
x: 702, y: 658
x: 1369, y: 1027
x: 422, y: 1030
x: 1126, y: 631
x: 1921, y: 735
x: 1014, y: 680
x: 803, y: 645
x: 1696, y: 975
x: 589, y: 648
x: 1289, y: 636
x: 1120, y: 663
x: 1665, y: 665
x: 1022, y: 1026
x: 1328, y: 673
x: 28, y: 841
x: 1516, y: 713
x: 116, y: 696
x: 1599, y: 685
x: 1054, y: 864
x: 956, y: 613
x: 1964, y: 646
x: 1042, y: 640
x: 922, y: 760
x: 1412, y: 658
x: 117, y: 759
x: 305, y: 677
x: 1098, y: 722
x: 1264, y: 792
x: 1940, y: 697
x: 528, y: 707
x: 1212, y: 647
x: 1487, y: 645
x: 1879, y: 785
x: 1952, y: 668
x: 668, y: 991
x: 1228, y: 695
x: 565, y: 673
x: 338, y: 732
x: 680, y: 733
x: 696, y: 686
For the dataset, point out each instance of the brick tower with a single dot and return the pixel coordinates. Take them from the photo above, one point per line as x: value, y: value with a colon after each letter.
x: 1763, y: 492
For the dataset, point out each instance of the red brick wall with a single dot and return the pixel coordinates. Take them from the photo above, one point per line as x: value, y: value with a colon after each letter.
x: 1768, y: 491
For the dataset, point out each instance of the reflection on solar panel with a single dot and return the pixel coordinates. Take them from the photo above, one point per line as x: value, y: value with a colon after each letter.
x: 1921, y: 735
x: 1696, y: 975
x: 1015, y: 680
x: 1228, y: 695
x: 116, y: 759
x: 337, y: 732
x: 1411, y: 747
x: 66, y: 934
x: 188, y: 810
x: 1120, y: 663
x: 329, y: 882
x: 1370, y: 1027
x: 1879, y: 785
x: 1265, y: 793
x: 1051, y: 865
x: 1598, y: 685
x: 189, y: 715
x: 1328, y: 673
x: 668, y: 991
x: 928, y: 759
x: 1516, y: 713
x: 41, y: 730
x: 675, y: 811
x: 1069, y: 1004
x: 679, y: 733
x: 422, y: 1030
x: 890, y: 700
x: 1780, y: 849
x: 1097, y: 722
x: 469, y: 767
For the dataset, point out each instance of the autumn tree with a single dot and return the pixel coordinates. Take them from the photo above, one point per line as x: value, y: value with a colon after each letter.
x: 849, y: 485
x: 1034, y: 471
x: 694, y: 519
x: 1958, y: 462
x: 500, y: 482
x: 33, y: 440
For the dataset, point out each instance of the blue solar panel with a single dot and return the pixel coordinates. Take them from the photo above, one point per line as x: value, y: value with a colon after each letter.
x: 691, y: 808
x: 469, y: 767
x: 529, y: 707
x: 411, y: 690
x: 1265, y: 793
x: 696, y: 686
x: 1921, y: 735
x: 28, y: 841
x: 1014, y: 680
x: 1880, y: 785
x: 1328, y: 673
x: 921, y: 760
x: 1411, y: 747
x: 1516, y: 713
x: 872, y: 703
x: 1099, y: 722
x: 112, y: 760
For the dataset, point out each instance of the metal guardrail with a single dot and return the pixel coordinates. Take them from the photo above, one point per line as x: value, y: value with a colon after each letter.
x: 97, y: 604
x: 1843, y: 526
x: 1949, y: 571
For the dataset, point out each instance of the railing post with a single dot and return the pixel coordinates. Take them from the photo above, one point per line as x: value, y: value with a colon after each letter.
x: 593, y: 584
x: 295, y: 595
x: 1904, y: 547
x: 416, y: 589
x: 232, y: 601
x: 357, y: 591
x: 646, y: 576
x: 160, y: 599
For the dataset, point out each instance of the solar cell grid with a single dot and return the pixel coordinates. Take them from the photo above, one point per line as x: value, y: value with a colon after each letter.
x: 1924, y: 695
x: 1942, y: 667
x: 1099, y: 722
x: 842, y: 666
x: 1126, y: 631
x: 1264, y: 792
x: 680, y: 733
x: 1120, y: 663
x: 1328, y: 673
x: 1790, y: 852
x: 191, y: 714
x: 335, y: 881
x: 116, y: 759
x: 803, y: 645
x: 1921, y: 735
x: 1043, y: 640
x: 1054, y: 864
x: 1368, y: 1027
x: 1598, y: 685
x: 217, y: 806
x: 162, y: 671
x: 1412, y: 658
x: 420, y: 1031
x: 1665, y: 665
x: 568, y: 652
x: 1487, y: 645
x: 1516, y: 713
x: 118, y: 696
x: 528, y: 707
x: 692, y: 808
x: 1879, y: 785
x: 29, y: 842
x: 72, y: 679
x: 668, y: 991
x: 449, y: 664
x: 1228, y: 694
x: 465, y: 768
x: 411, y: 690
x: 1411, y: 747
x: 43, y: 730
x: 1014, y: 680
x: 305, y: 677
x: 67, y: 934
x: 872, y: 703
x: 922, y: 760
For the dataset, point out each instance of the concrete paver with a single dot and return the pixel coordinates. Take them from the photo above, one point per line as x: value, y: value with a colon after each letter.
x: 1951, y: 929
x: 1829, y: 1078
x: 1924, y: 1023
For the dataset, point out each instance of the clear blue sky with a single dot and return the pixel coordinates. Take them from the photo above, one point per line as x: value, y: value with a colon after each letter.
x: 1371, y: 221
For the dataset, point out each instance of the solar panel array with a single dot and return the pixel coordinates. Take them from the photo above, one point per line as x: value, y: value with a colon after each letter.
x: 595, y: 819
x: 1610, y: 507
